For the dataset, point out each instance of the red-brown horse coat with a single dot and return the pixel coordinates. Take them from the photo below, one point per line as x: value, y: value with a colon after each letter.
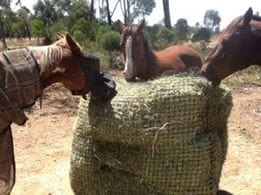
x: 148, y: 64
x: 237, y: 47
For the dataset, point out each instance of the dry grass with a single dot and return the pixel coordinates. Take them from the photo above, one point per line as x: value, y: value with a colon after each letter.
x: 248, y: 76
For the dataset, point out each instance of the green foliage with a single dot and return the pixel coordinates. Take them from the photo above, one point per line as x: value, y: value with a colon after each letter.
x: 79, y: 36
x: 166, y: 34
x: 58, y: 27
x: 46, y: 12
x: 17, y: 29
x: 153, y: 30
x: 103, y: 29
x: 110, y: 41
x: 5, y: 3
x: 143, y: 8
x: 165, y: 37
x: 134, y: 9
x: 212, y: 20
x: 202, y: 34
x: 182, y: 28
x: 37, y: 27
x: 88, y: 28
x: 78, y: 10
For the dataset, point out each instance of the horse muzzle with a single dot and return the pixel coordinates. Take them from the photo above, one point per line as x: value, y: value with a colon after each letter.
x: 103, y: 88
x: 214, y: 81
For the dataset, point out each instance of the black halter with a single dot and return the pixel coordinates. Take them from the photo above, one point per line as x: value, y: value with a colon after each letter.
x: 101, y: 86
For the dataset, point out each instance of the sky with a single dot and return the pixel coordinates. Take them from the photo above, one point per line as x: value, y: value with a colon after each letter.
x: 192, y: 10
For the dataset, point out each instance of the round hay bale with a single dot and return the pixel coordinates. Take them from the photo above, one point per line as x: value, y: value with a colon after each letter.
x: 167, y: 136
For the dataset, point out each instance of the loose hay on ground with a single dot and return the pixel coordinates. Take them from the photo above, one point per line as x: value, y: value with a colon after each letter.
x: 166, y: 136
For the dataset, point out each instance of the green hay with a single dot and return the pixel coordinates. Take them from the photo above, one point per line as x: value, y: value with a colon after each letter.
x: 166, y: 136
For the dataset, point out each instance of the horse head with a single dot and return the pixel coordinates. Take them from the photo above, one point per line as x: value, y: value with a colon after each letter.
x: 79, y: 72
x: 133, y: 45
x: 237, y: 47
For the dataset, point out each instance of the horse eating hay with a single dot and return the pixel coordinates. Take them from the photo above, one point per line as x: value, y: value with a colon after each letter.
x: 142, y: 62
x: 238, y: 46
x: 25, y: 73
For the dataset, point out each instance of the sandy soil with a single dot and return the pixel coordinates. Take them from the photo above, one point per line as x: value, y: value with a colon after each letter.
x: 43, y: 146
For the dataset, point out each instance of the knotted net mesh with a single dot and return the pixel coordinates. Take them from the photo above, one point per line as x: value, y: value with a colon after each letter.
x: 167, y: 136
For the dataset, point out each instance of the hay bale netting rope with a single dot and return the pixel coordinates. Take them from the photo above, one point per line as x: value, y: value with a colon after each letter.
x: 167, y: 136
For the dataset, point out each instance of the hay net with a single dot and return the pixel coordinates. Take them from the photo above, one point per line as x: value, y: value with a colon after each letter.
x: 166, y: 136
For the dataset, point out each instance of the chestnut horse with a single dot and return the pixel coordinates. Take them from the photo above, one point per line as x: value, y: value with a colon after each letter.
x: 238, y: 46
x: 142, y: 62
x: 25, y: 73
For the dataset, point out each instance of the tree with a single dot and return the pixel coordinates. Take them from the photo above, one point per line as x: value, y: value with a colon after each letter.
x: 167, y: 20
x: 110, y: 43
x: 4, y: 8
x: 203, y: 34
x: 143, y: 8
x: 133, y: 9
x: 24, y: 12
x: 37, y: 27
x: 92, y: 10
x: 165, y: 37
x: 182, y: 28
x: 212, y: 20
x: 78, y: 9
x: 46, y: 12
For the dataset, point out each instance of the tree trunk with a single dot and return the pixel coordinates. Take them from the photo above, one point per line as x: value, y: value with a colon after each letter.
x: 26, y: 23
x: 167, y: 21
x: 92, y: 10
x: 2, y: 32
x: 108, y: 12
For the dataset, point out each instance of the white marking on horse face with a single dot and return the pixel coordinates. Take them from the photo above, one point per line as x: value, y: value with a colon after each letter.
x: 128, y: 69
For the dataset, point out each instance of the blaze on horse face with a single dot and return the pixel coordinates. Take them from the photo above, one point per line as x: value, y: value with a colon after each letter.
x: 238, y: 46
x: 82, y: 72
x: 131, y: 44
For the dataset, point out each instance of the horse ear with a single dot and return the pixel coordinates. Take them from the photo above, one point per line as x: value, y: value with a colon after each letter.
x: 59, y: 35
x: 76, y: 49
x: 120, y: 25
x: 141, y: 26
x: 248, y: 16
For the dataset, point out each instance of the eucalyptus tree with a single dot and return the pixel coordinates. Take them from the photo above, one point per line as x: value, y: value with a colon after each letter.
x: 4, y: 9
x: 166, y: 12
x: 133, y: 9
x: 212, y: 20
x: 24, y: 14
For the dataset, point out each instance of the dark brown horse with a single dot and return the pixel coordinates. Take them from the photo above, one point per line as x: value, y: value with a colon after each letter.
x: 238, y: 46
x: 25, y: 73
x: 142, y: 62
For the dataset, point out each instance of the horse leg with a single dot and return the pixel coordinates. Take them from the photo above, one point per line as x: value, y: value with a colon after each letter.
x: 7, y: 162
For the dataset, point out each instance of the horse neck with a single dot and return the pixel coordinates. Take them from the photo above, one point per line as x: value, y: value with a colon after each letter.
x: 47, y: 57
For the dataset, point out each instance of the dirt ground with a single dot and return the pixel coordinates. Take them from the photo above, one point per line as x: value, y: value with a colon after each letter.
x: 43, y: 146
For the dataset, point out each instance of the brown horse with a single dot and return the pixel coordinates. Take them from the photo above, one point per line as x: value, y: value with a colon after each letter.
x: 25, y: 73
x: 238, y: 46
x: 142, y: 62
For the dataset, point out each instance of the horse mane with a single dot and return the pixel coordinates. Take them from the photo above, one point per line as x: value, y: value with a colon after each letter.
x: 149, y: 53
